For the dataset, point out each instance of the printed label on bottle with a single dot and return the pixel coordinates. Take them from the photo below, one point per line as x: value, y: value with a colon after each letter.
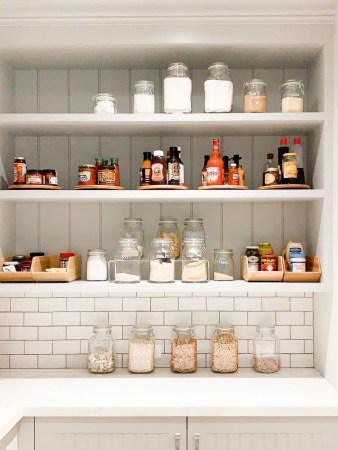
x: 181, y: 174
x: 107, y: 177
x: 20, y: 170
x: 290, y: 169
x: 253, y: 259
x: 157, y: 172
x: 269, y: 178
x: 31, y: 179
x: 145, y: 176
x: 214, y: 175
x: 174, y: 171
x: 84, y: 177
x: 204, y: 178
x: 53, y: 181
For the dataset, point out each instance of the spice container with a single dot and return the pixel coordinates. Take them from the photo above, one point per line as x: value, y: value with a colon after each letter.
x: 101, y: 354
x: 255, y: 96
x: 194, y: 261
x: 224, y: 350
x: 289, y: 169
x: 223, y: 265
x: 35, y: 177
x: 97, y: 265
x: 20, y: 170
x: 141, y: 349
x: 292, y: 96
x: 268, y: 263
x: 266, y: 350
x: 218, y: 89
x: 11, y: 266
x: 144, y: 99
x: 26, y: 265
x: 128, y: 261
x: 104, y: 103
x: 64, y: 259
x: 177, y: 89
x: 87, y: 175
x: 184, y: 349
x: 133, y: 229
x: 168, y: 229
x: 297, y: 262
x: 264, y: 248
x: 162, y: 261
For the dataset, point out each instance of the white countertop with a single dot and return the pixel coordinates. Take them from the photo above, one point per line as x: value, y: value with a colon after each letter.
x: 76, y: 393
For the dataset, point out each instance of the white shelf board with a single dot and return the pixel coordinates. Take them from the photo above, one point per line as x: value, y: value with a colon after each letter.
x: 160, y: 124
x: 301, y: 195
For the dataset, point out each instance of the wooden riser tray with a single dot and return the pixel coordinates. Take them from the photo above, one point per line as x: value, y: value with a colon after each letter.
x: 45, y: 187
x: 161, y: 187
x: 223, y: 187
x: 13, y: 276
x: 312, y: 274
x: 101, y: 187
x: 260, y: 276
x: 284, y: 186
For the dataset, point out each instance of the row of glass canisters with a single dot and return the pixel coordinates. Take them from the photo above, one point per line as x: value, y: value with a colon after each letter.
x: 166, y: 249
x: 218, y: 93
x: 184, y: 345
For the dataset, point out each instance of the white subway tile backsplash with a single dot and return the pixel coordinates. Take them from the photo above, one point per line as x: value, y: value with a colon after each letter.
x: 66, y: 318
x: 291, y: 346
x: 276, y: 304
x: 261, y: 318
x: 164, y: 304
x: 161, y: 332
x: 52, y: 304
x: 289, y: 318
x: 4, y: 334
x: 285, y: 360
x: 122, y: 318
x: 244, y: 360
x: 24, y: 304
x: 234, y: 318
x: 95, y: 294
x: 23, y: 361
x: 76, y: 361
x: 283, y: 331
x: 67, y: 347
x: 220, y: 304
x: 261, y: 294
x: 192, y: 304
x: 80, y: 304
x: 301, y: 304
x: 205, y: 294
x: 301, y: 332
x: 242, y: 346
x: 248, y: 304
x: 79, y: 332
x: 136, y: 304
x: 38, y: 347
x: 125, y: 294
x: 38, y: 319
x: 23, y: 334
x: 302, y: 360
x: 37, y: 294
x: 205, y: 318
x: 52, y: 333
x: 12, y: 347
x: 146, y: 294
x: 309, y: 346
x: 108, y: 304
x: 308, y: 318
x: 11, y: 319
x: 51, y: 361
x: 151, y: 318
x: 4, y: 361
x: 94, y: 318
x: 245, y: 332
x: 177, y: 318
x: 5, y: 304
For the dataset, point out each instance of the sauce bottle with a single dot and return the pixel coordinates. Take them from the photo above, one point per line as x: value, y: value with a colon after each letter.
x: 226, y: 160
x: 283, y: 148
x: 298, y: 149
x: 215, y: 166
x: 181, y: 167
x: 241, y: 172
x: 158, y: 174
x: 233, y: 175
x: 174, y: 167
x: 145, y: 169
x: 115, y: 163
x: 204, y: 171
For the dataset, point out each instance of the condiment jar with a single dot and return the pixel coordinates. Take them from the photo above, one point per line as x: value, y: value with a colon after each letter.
x: 194, y: 261
x: 144, y: 99
x: 133, y: 228
x: 158, y: 173
x: 64, y: 259
x: 218, y: 89
x: 104, y: 103
x: 20, y: 170
x: 184, y: 349
x: 224, y: 350
x: 289, y: 169
x: 97, y: 265
x: 162, y: 261
x: 264, y: 248
x: 223, y: 265
x: 51, y: 177
x: 35, y: 177
x: 141, y: 349
x: 266, y: 350
x: 127, y: 261
x: 106, y: 175
x: 11, y: 266
x: 297, y: 262
x: 268, y: 263
x: 177, y: 89
x: 255, y: 96
x: 101, y: 352
x: 253, y: 257
x: 292, y: 92
x: 87, y: 175
x: 167, y: 228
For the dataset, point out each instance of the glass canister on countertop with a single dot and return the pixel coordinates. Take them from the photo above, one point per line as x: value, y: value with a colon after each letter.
x: 266, y: 357
x: 141, y: 349
x: 127, y: 261
x: 224, y: 350
x: 184, y: 349
x: 101, y: 351
x: 223, y: 265
x: 167, y: 228
x: 133, y: 228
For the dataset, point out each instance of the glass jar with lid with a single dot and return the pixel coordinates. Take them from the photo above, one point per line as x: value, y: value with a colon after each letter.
x: 127, y: 261
x: 194, y: 261
x: 223, y: 265
x: 193, y: 228
x: 177, y: 89
x: 144, y: 99
x: 97, y: 265
x: 162, y: 261
x: 141, y: 349
x: 266, y: 350
x: 218, y: 89
x: 292, y: 92
x: 255, y: 96
x: 184, y: 349
x: 104, y: 103
x: 289, y: 169
x: 224, y: 350
x: 133, y: 228
x: 265, y: 248
x: 101, y: 352
x: 167, y: 228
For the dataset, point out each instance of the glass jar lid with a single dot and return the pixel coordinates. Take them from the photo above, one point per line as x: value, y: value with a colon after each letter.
x: 131, y: 220
x: 224, y: 251
x: 226, y: 327
x: 144, y: 83
x: 20, y: 158
x: 97, y: 252
x: 298, y: 84
x: 193, y: 241
x: 289, y: 154
x: 255, y: 82
x: 218, y: 65
x: 128, y: 241
x: 183, y: 328
x: 193, y: 221
x: 252, y: 247
x: 177, y: 65
x: 266, y: 327
x: 163, y: 221
x: 142, y: 327
x: 106, y: 328
x: 103, y: 97
x: 82, y: 166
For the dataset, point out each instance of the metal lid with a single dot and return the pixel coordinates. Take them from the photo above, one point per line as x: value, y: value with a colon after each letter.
x: 21, y: 158
x: 292, y: 83
x: 132, y: 220
x: 255, y: 82
x: 144, y: 83
x: 158, y: 153
x: 223, y: 250
x: 218, y: 64
x: 167, y: 221
x: 177, y: 64
x: 252, y: 247
x: 289, y: 154
x: 81, y: 166
x: 199, y: 221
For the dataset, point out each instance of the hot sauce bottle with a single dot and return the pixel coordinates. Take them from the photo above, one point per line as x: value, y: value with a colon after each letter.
x: 215, y: 166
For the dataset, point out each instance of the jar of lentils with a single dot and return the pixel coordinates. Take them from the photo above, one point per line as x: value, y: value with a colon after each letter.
x: 224, y: 350
x: 184, y: 349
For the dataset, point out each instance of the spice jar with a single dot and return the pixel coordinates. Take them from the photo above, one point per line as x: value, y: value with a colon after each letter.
x: 133, y: 229
x: 11, y: 266
x: 144, y: 99
x: 64, y: 259
x: 127, y: 261
x: 184, y: 349
x: 104, y: 103
x: 289, y: 169
x: 194, y: 261
x: 268, y: 263
x: 101, y: 353
x: 35, y: 177
x: 51, y: 177
x: 97, y: 265
x: 265, y: 248
x: 20, y: 170
x: 255, y: 96
x: 223, y: 265
x: 224, y: 350
x: 177, y: 89
x: 141, y: 349
x: 253, y: 256
x: 87, y: 175
x: 292, y: 96
x: 266, y: 350
x: 162, y: 261
x: 218, y: 89
x: 167, y: 228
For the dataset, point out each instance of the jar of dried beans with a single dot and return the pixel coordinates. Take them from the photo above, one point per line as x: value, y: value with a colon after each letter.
x: 141, y: 349
x: 184, y: 349
x: 266, y: 350
x: 101, y: 355
x: 224, y: 350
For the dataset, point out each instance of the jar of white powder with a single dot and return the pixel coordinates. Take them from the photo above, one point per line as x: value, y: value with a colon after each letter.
x: 194, y: 261
x: 104, y: 104
x: 144, y: 99
x: 218, y: 89
x: 177, y: 89
x: 292, y: 96
x: 128, y: 261
x: 141, y: 349
x: 162, y: 261
x: 223, y: 265
x: 97, y: 265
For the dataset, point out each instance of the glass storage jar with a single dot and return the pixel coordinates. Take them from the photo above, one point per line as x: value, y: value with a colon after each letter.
x: 167, y: 228
x: 264, y: 248
x: 184, y: 349
x: 101, y: 352
x: 289, y: 169
x: 194, y: 261
x: 133, y: 228
x: 141, y: 349
x: 104, y: 103
x: 218, y: 89
x: 97, y: 265
x: 292, y: 96
x: 162, y: 261
x: 127, y: 261
x: 224, y: 350
x: 223, y: 265
x: 266, y: 350
x: 144, y: 99
x: 193, y: 228
x: 255, y: 96
x: 177, y: 89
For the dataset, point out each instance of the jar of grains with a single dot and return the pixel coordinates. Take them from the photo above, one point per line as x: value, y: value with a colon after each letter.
x: 193, y: 228
x: 101, y: 354
x: 177, y: 88
x: 133, y: 229
x: 104, y: 103
x: 194, y: 261
x: 167, y: 228
x: 141, y: 349
x: 223, y: 265
x: 266, y: 350
x: 292, y: 96
x: 127, y: 261
x: 184, y: 349
x: 255, y: 96
x: 224, y: 350
x: 162, y: 261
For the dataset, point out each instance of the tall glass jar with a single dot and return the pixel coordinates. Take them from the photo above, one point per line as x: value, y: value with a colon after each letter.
x: 133, y: 228
x: 97, y: 265
x: 104, y: 103
x: 162, y: 261
x: 167, y: 228
x: 127, y: 261
x: 266, y: 350
x: 101, y: 352
x: 218, y: 89
x: 177, y: 89
x: 141, y: 349
x: 193, y: 228
x: 194, y: 261
x: 223, y: 265
x: 292, y: 96
x: 144, y: 99
x: 224, y: 350
x: 184, y: 349
x: 255, y: 96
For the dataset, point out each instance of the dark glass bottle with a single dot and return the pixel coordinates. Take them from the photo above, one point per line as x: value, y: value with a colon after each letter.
x: 282, y: 149
x: 226, y: 160
x: 158, y: 168
x: 174, y: 167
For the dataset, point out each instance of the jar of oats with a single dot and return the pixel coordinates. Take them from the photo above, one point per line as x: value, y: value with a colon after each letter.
x: 224, y: 350
x: 184, y: 349
x: 266, y: 350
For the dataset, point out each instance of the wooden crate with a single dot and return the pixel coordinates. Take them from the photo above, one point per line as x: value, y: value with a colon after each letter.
x: 260, y: 276
x: 41, y: 263
x: 312, y: 274
x: 13, y: 276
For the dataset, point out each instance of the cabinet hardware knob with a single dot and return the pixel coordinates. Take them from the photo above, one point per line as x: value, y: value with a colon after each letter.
x: 177, y: 441
x: 197, y: 441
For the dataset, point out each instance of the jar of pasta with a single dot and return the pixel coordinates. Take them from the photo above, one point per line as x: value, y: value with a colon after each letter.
x: 167, y: 228
x: 184, y: 349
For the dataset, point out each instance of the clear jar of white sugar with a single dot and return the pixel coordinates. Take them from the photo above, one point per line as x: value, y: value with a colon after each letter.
x: 177, y: 89
x: 144, y: 98
x: 218, y: 89
x: 104, y: 104
x: 97, y: 265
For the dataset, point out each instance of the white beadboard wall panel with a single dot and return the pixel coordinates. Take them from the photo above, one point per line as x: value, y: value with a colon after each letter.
x: 26, y: 91
x: 116, y: 82
x: 83, y: 84
x: 53, y: 154
x: 212, y: 216
x: 198, y: 78
x: 273, y: 78
x: 28, y: 147
x: 239, y: 77
x: 54, y: 220
x: 53, y: 91
x: 267, y: 225
x: 112, y: 226
x: 27, y: 231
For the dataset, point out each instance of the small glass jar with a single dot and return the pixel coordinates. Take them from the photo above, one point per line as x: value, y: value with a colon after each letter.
x: 289, y: 169
x: 144, y: 99
x: 133, y: 229
x: 224, y: 350
x: 162, y: 261
x: 177, y: 89
x: 265, y: 248
x: 87, y: 175
x: 141, y: 349
x: 104, y: 104
x: 218, y: 89
x: 255, y: 96
x: 127, y: 262
x: 194, y: 261
x: 20, y: 170
x: 223, y: 265
x: 101, y: 352
x: 184, y: 349
x: 35, y: 177
x: 292, y: 92
x: 266, y: 350
x: 97, y: 265
x: 193, y: 228
x: 167, y: 228
x: 51, y: 177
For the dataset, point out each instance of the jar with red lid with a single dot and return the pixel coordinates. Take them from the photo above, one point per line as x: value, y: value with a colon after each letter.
x: 20, y: 169
x: 87, y: 175
x: 64, y: 259
x: 268, y: 263
x: 35, y: 177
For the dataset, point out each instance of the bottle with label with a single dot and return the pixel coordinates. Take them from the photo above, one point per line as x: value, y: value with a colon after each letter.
x: 270, y: 171
x: 174, y: 167
x: 145, y: 169
x: 158, y: 174
x: 283, y: 148
x: 289, y: 169
x: 298, y: 149
x: 204, y: 171
x: 233, y: 175
x: 181, y: 167
x: 241, y: 172
x: 226, y: 160
x: 215, y: 166
x: 20, y: 170
x: 167, y: 164
x: 115, y: 163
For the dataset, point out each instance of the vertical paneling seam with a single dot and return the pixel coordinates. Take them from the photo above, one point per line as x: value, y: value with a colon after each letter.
x: 69, y: 166
x: 130, y: 139
x: 38, y: 158
x: 99, y: 74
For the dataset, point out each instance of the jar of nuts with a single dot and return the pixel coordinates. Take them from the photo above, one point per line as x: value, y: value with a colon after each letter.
x: 266, y: 350
x: 101, y: 355
x: 167, y: 228
x: 184, y: 349
x: 224, y: 350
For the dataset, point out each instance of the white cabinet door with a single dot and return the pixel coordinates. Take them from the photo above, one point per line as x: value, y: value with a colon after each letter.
x: 110, y: 434
x: 21, y: 437
x: 262, y: 434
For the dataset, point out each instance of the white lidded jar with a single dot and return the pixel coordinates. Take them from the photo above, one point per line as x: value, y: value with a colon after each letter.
x: 218, y: 89
x: 97, y: 265
x: 177, y: 89
x: 104, y: 104
x: 144, y: 99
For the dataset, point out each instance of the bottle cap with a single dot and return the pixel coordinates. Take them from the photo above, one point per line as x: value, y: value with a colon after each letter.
x: 283, y: 141
x: 215, y: 143
x: 158, y: 152
x: 296, y: 141
x: 66, y: 255
x: 269, y: 155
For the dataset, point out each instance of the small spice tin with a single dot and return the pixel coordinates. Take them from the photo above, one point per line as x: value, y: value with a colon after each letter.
x: 268, y: 263
x: 87, y: 174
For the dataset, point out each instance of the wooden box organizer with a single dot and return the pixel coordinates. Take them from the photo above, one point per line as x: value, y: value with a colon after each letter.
x: 276, y: 275
x: 13, y: 276
x: 312, y: 274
